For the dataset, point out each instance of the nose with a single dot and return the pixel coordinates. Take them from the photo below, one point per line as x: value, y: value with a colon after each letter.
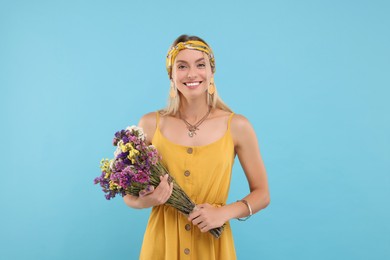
x: 191, y: 73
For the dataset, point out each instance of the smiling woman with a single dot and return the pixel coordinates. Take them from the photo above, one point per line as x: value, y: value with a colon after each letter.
x: 206, y: 61
x: 190, y: 75
x: 198, y: 137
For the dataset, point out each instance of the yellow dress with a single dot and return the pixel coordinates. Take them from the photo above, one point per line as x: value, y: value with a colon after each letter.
x: 204, y: 172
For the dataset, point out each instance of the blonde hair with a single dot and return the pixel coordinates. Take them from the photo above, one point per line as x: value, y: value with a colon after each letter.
x: 214, y: 101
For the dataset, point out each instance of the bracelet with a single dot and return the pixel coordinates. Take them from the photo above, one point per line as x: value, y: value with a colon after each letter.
x: 250, y: 210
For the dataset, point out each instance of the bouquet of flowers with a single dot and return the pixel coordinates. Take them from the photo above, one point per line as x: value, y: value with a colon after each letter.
x: 137, y: 165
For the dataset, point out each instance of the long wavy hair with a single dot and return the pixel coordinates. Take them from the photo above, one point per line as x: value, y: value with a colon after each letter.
x: 173, y: 104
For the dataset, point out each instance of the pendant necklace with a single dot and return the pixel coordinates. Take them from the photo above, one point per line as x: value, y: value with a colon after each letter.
x: 192, y: 128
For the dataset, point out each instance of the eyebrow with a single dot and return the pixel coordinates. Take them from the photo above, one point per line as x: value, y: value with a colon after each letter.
x: 187, y: 62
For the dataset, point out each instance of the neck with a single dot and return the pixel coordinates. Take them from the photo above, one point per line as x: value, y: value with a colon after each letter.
x: 193, y: 110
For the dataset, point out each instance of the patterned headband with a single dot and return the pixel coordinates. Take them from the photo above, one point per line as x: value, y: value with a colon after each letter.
x: 191, y: 45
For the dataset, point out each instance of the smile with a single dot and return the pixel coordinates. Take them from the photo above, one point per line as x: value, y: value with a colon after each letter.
x: 193, y: 84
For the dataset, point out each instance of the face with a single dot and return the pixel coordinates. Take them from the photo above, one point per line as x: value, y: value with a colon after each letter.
x: 191, y: 73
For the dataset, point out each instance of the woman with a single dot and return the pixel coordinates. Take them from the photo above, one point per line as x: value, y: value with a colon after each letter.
x: 198, y: 137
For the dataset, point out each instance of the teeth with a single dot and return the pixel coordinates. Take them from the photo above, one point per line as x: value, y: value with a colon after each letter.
x: 192, y: 84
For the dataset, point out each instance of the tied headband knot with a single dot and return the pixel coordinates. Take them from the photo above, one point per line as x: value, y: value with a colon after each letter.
x: 191, y: 45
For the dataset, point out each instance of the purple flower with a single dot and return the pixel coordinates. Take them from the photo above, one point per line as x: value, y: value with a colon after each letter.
x: 141, y: 177
x: 125, y: 173
x: 125, y: 139
x: 119, y: 165
x: 96, y: 180
x: 123, y: 155
x: 127, y: 161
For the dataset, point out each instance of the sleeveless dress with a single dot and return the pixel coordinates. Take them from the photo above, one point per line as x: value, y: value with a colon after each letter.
x: 204, y: 173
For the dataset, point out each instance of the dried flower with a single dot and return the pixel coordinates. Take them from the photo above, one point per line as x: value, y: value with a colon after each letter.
x: 135, y: 167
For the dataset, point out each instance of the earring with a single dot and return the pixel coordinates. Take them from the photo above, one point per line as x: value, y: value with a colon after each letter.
x: 211, y: 88
x: 172, y: 90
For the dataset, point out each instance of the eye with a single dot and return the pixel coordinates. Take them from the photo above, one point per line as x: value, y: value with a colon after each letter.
x: 201, y: 65
x: 181, y: 67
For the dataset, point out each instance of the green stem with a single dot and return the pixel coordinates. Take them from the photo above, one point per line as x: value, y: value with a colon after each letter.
x: 178, y: 200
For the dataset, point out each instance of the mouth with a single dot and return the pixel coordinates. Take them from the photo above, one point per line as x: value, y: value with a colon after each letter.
x: 193, y: 84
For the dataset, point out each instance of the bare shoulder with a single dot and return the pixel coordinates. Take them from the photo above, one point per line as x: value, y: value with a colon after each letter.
x: 239, y: 123
x: 148, y: 124
x: 242, y: 130
x: 147, y: 119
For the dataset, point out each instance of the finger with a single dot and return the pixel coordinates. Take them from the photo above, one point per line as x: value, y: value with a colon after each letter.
x: 149, y: 189
x: 168, y: 189
x: 162, y: 185
x: 142, y: 193
x: 197, y: 221
x: 193, y: 215
x: 204, y: 229
x: 165, y: 189
x: 164, y: 180
x: 198, y: 218
x: 168, y: 196
x: 166, y: 177
x: 202, y: 225
x: 170, y: 192
x: 146, y: 191
x: 167, y: 192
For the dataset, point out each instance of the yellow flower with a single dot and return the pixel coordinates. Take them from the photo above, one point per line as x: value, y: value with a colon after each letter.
x: 129, y: 148
x: 125, y: 147
x: 114, y: 186
x: 105, y: 167
x: 132, y: 154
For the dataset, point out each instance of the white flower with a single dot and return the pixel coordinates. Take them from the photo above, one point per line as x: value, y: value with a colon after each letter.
x: 134, y: 128
x: 112, y: 164
x: 137, y: 129
x: 117, y: 151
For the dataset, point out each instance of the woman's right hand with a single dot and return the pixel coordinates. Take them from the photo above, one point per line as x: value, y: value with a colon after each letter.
x: 155, y: 196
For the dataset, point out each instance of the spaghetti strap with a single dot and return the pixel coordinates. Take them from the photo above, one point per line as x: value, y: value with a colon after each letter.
x: 157, y: 119
x: 229, y: 120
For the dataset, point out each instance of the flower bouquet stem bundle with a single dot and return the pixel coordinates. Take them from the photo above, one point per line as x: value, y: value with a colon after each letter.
x: 137, y: 165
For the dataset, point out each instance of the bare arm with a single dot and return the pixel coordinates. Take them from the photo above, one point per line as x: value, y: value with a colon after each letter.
x: 150, y: 197
x: 248, y: 152
x: 247, y: 149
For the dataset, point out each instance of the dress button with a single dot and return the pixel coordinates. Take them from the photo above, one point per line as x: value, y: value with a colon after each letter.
x: 189, y: 150
x: 186, y: 251
x: 188, y: 227
x: 187, y: 173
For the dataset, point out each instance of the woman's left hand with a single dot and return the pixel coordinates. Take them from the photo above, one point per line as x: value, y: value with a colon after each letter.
x: 207, y: 217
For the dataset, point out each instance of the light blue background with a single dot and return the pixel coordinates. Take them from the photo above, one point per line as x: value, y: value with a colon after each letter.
x: 311, y: 76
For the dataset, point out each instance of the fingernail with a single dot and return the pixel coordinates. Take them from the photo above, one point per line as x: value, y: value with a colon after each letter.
x: 142, y: 192
x: 147, y: 188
